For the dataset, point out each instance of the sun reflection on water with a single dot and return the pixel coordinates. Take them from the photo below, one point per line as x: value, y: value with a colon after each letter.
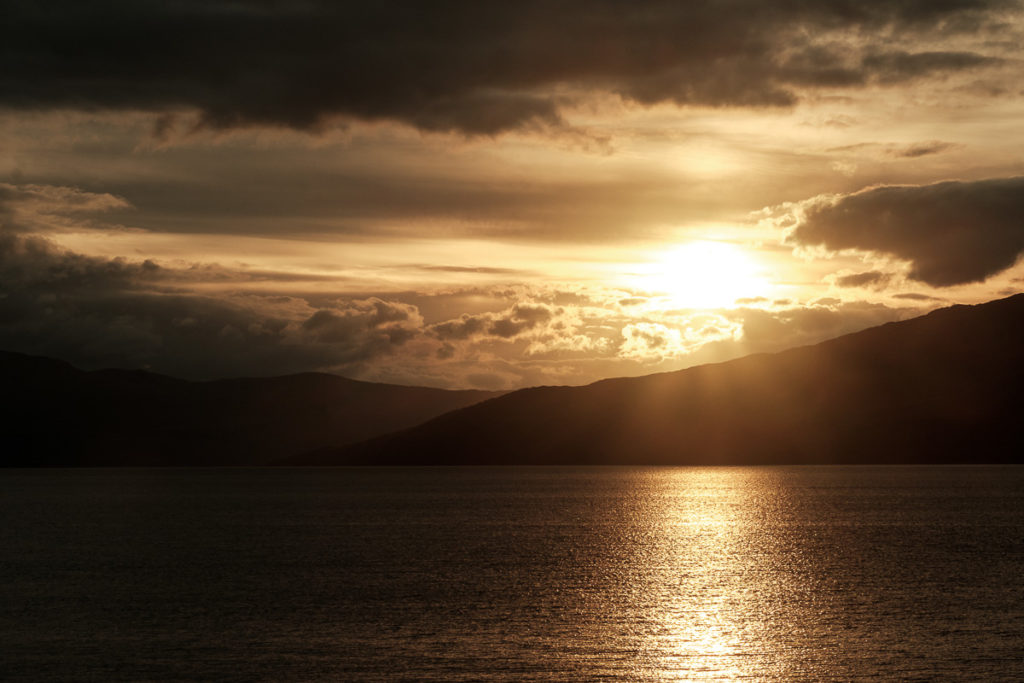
x: 706, y: 604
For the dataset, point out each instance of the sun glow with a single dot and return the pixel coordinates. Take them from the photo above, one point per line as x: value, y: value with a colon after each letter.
x: 705, y: 274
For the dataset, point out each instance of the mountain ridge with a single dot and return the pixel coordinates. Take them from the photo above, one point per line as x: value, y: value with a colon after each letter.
x: 57, y: 415
x: 934, y: 388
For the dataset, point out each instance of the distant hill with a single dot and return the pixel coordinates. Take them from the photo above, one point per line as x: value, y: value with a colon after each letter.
x: 947, y: 387
x: 53, y: 414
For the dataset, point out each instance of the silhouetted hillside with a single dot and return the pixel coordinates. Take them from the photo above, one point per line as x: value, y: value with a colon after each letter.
x: 54, y: 414
x: 945, y: 387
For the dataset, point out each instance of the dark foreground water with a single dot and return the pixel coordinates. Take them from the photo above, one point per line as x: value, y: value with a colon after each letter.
x: 830, y: 573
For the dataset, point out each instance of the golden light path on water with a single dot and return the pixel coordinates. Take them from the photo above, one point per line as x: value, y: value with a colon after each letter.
x: 698, y: 632
x: 707, y: 578
x: 695, y: 630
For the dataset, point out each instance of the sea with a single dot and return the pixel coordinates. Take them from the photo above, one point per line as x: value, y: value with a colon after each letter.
x: 512, y: 574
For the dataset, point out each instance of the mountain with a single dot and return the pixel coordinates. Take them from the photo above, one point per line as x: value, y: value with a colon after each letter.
x: 947, y: 387
x: 53, y: 414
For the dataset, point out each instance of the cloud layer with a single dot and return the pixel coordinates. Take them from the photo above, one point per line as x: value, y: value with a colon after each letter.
x: 99, y: 312
x: 477, y: 68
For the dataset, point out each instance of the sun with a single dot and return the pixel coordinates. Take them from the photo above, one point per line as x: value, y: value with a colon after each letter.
x: 705, y: 274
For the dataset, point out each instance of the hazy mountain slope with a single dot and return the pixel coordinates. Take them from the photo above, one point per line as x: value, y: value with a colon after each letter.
x: 54, y: 414
x: 945, y: 387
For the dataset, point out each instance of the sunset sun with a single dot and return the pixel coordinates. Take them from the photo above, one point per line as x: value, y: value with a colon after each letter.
x: 705, y: 274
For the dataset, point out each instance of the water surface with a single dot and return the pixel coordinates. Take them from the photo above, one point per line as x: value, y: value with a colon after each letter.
x: 815, y: 573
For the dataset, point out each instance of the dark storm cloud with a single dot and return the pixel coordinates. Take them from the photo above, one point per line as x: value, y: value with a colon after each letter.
x: 478, y: 68
x: 951, y: 233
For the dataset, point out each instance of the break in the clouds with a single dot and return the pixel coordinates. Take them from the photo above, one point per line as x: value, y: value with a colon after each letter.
x: 951, y: 233
x: 473, y: 67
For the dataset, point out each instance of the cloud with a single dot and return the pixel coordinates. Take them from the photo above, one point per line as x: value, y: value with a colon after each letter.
x: 678, y: 337
x: 522, y: 317
x: 650, y: 340
x: 921, y: 149
x: 463, y: 327
x: 915, y: 296
x: 899, y: 66
x: 951, y: 233
x: 871, y: 278
x: 507, y: 325
x: 896, y: 151
x: 51, y: 208
x: 33, y: 263
x: 485, y: 270
x: 477, y: 68
x: 838, y: 67
x: 378, y: 324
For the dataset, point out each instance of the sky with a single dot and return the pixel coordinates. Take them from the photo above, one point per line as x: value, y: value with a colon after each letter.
x: 498, y: 195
